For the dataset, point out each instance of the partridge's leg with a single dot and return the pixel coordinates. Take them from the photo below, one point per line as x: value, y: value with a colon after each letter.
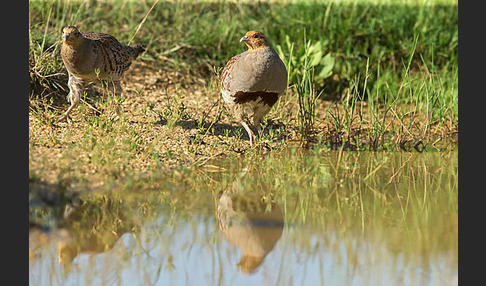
x: 248, y: 130
x: 75, y: 89
x: 117, y: 90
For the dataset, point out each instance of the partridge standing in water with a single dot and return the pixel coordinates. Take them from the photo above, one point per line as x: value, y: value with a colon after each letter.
x: 252, y: 82
x: 91, y: 57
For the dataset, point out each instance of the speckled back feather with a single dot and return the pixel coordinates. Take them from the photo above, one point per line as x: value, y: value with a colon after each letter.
x: 116, y: 56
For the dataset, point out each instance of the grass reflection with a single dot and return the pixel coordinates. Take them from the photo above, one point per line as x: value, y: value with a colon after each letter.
x: 293, y: 216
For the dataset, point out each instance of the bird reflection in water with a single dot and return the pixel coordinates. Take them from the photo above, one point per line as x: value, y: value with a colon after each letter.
x: 91, y: 228
x: 252, y: 223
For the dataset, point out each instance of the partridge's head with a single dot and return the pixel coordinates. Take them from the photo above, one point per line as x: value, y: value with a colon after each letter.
x: 255, y: 40
x: 249, y: 263
x: 70, y: 34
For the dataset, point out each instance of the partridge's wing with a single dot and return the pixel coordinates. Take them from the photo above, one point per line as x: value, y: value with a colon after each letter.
x: 116, y: 56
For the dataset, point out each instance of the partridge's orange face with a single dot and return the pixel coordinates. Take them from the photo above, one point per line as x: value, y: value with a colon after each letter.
x: 70, y: 34
x: 255, y: 40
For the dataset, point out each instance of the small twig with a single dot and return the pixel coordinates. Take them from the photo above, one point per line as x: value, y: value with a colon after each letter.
x: 90, y: 106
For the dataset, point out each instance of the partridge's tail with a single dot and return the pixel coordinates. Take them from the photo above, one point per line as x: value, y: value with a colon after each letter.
x: 136, y: 50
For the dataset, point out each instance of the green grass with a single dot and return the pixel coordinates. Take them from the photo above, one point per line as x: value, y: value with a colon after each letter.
x: 346, y: 34
x: 387, y: 68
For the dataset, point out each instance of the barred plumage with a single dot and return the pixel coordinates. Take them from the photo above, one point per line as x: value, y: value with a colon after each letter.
x: 91, y: 57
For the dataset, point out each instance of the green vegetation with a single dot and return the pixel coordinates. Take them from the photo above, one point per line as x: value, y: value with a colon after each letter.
x: 345, y: 34
x: 363, y: 75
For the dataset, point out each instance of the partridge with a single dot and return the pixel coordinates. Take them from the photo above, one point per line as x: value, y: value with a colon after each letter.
x: 253, y: 81
x: 91, y: 57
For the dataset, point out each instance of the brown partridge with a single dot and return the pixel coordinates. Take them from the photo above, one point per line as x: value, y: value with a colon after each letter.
x: 91, y: 57
x: 253, y: 81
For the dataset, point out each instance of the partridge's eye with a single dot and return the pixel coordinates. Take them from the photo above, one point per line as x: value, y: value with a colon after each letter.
x: 256, y: 36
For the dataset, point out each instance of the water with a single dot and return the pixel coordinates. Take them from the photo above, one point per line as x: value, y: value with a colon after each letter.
x: 294, y: 219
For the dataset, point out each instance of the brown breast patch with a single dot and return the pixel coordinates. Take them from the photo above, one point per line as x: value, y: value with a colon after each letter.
x: 267, y: 97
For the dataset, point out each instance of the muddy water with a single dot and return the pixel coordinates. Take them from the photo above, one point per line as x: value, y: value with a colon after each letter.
x: 314, y: 218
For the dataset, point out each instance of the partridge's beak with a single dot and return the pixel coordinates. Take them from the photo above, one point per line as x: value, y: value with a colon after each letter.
x: 244, y: 39
x: 65, y: 37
